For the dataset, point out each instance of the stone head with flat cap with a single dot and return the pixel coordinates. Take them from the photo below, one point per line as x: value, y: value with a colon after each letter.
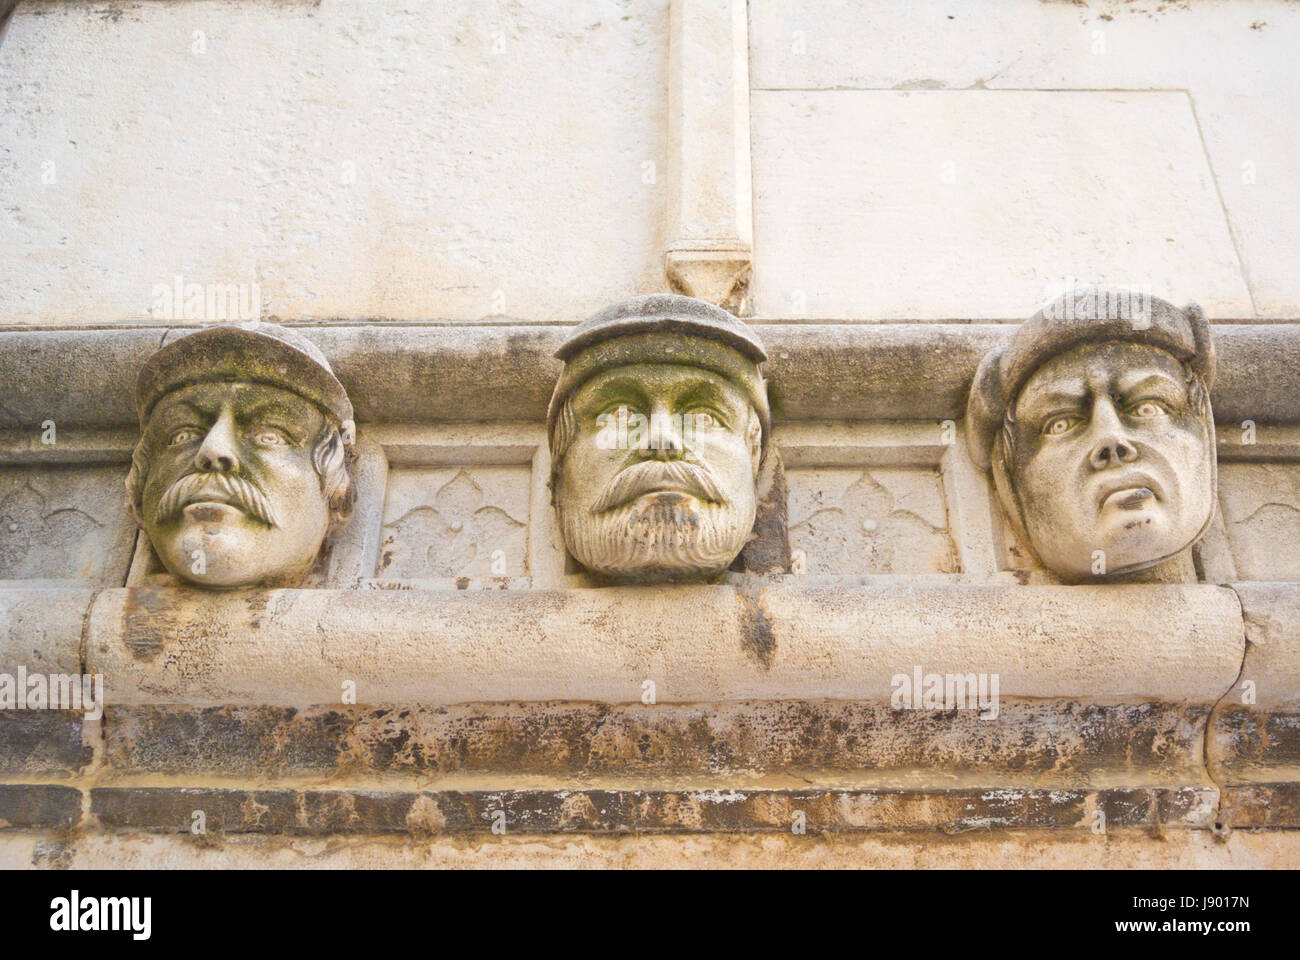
x: 659, y: 432
x: 241, y: 471
x: 1095, y: 422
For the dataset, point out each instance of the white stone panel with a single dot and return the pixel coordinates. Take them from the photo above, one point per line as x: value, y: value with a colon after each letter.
x: 1261, y: 515
x: 1236, y: 61
x: 383, y: 159
x: 979, y: 204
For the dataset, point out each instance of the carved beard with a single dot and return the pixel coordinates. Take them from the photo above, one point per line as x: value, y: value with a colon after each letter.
x: 661, y: 535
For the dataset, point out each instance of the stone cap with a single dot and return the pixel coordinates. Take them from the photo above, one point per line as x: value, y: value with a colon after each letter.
x: 1082, y: 315
x: 664, y: 312
x: 663, y: 328
x: 257, y: 353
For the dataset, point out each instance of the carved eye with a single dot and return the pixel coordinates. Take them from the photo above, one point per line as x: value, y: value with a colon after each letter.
x: 705, y: 418
x: 1059, y: 425
x: 1147, y: 408
x: 184, y: 435
x: 269, y: 437
x: 612, y: 409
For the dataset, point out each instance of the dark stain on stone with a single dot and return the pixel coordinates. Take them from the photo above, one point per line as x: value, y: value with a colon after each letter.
x: 40, y: 741
x: 768, y: 549
x: 756, y: 629
x: 141, y: 629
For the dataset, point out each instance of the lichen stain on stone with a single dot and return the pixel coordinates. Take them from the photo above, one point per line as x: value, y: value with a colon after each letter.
x: 757, y: 634
x: 141, y: 630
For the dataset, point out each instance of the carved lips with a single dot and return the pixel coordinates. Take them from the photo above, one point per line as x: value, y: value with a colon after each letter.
x: 1130, y: 490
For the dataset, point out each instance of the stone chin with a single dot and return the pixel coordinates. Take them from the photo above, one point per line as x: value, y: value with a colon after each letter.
x: 1134, y: 527
x: 237, y: 550
x: 663, y: 536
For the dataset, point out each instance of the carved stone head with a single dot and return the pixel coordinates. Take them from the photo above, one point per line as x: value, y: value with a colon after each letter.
x: 241, y: 471
x: 659, y: 431
x: 1096, y: 424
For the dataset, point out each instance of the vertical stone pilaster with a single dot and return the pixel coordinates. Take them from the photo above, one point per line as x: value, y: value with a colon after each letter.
x: 709, y: 247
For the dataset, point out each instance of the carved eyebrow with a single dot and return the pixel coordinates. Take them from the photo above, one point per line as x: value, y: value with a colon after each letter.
x: 273, y: 407
x: 1072, y: 393
x: 628, y: 388
x: 1143, y: 381
x: 700, y: 390
x: 174, y: 406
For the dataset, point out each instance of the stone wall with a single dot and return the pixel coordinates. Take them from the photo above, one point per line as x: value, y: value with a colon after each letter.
x: 432, y: 197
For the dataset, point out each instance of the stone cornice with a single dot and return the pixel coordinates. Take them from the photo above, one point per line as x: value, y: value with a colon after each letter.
x: 402, y: 372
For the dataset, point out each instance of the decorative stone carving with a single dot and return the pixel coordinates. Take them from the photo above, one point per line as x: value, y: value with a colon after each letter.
x: 1096, y: 424
x: 64, y: 524
x: 660, y: 439
x: 1261, y: 510
x: 242, y: 469
x: 891, y: 520
x: 455, y: 522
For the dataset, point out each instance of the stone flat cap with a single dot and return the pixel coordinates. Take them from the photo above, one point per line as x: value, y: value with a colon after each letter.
x: 663, y: 328
x: 1082, y: 315
x: 669, y: 312
x: 255, y: 353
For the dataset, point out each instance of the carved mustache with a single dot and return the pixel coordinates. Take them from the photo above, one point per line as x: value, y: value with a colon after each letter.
x: 227, y: 488
x: 650, y: 476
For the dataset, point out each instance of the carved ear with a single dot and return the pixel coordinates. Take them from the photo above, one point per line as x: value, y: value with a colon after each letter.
x: 135, y: 482
x: 1205, y: 361
x: 754, y: 437
x: 985, y: 408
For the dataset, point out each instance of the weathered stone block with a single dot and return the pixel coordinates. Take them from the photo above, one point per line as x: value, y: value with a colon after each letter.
x: 1062, y: 744
x: 38, y: 806
x: 41, y: 741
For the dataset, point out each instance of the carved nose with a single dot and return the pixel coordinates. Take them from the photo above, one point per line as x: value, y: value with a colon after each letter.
x: 219, y: 453
x: 665, y: 437
x: 1112, y: 451
x: 1111, y: 448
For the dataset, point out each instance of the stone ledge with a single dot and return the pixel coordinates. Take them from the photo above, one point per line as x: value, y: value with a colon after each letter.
x: 778, y: 640
x: 543, y: 811
x: 1040, y: 743
x: 1253, y: 737
x: 409, y: 372
x: 40, y: 628
x: 1121, y: 848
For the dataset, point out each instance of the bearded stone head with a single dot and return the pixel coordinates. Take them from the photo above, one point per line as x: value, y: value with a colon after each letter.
x: 1095, y: 422
x: 659, y: 432
x: 241, y: 472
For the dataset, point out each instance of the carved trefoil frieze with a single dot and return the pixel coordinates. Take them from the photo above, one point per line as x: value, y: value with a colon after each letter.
x: 883, y: 520
x: 455, y: 522
x: 64, y: 524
